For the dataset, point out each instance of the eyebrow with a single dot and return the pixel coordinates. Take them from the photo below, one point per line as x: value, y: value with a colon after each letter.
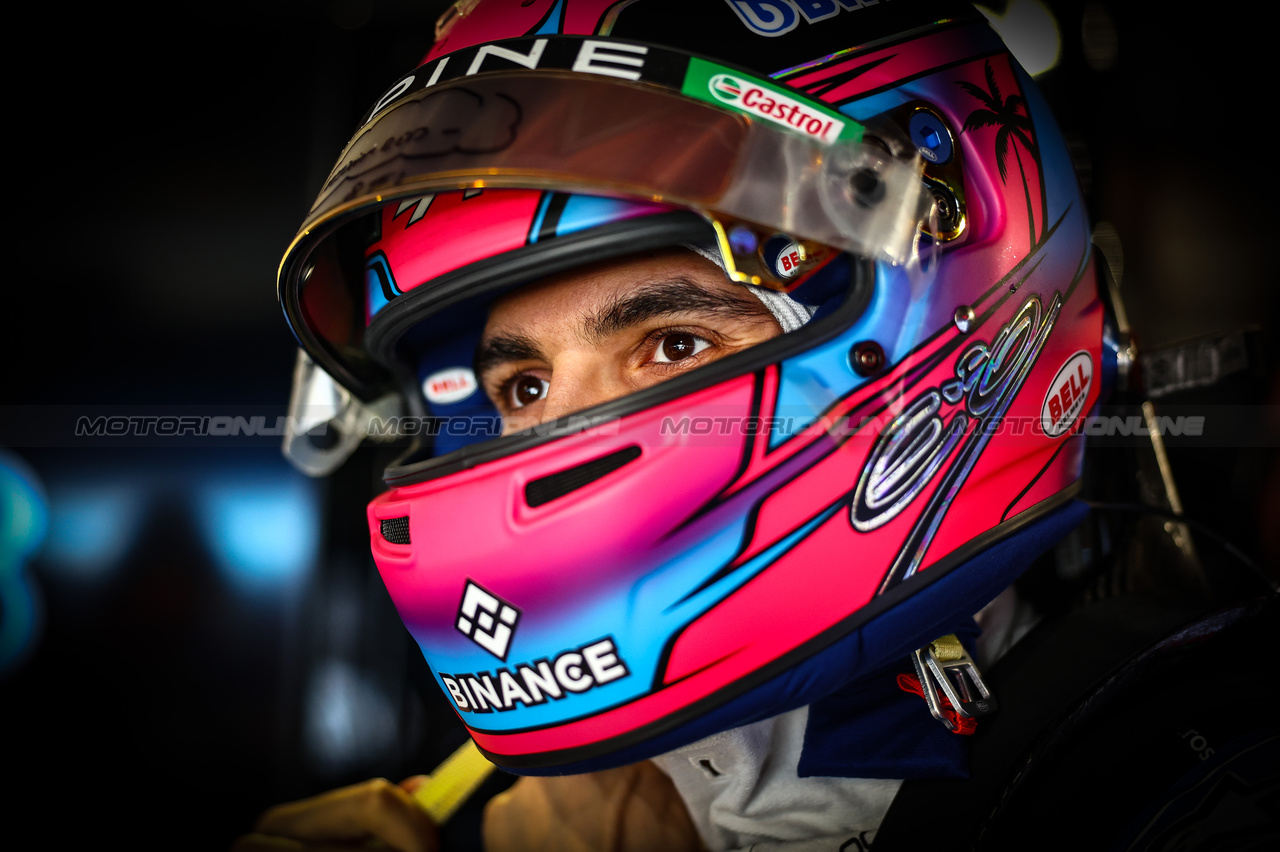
x: 502, y: 348
x: 674, y: 296
x: 646, y: 302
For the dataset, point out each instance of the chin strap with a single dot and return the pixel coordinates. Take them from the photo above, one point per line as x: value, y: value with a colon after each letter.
x: 944, y: 665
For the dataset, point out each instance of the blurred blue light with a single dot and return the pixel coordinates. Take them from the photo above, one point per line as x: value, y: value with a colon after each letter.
x: 349, y: 718
x: 24, y: 518
x: 262, y: 530
x: 91, y: 527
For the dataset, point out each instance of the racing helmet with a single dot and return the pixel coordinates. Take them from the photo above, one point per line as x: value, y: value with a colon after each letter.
x: 754, y: 534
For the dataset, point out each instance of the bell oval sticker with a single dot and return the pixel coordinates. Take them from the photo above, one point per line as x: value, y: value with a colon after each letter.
x: 452, y: 385
x: 1067, y: 394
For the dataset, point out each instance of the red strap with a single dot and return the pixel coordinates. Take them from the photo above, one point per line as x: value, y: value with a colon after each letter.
x: 965, y: 725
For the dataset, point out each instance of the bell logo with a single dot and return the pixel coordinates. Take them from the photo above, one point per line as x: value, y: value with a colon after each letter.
x: 1066, y: 396
x: 487, y: 620
x: 789, y: 261
x: 452, y: 385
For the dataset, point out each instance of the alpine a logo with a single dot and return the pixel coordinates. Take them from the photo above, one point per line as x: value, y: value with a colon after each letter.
x: 774, y: 106
x: 1064, y: 401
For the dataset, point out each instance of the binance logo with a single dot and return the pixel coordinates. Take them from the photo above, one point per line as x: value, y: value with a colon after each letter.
x: 487, y: 620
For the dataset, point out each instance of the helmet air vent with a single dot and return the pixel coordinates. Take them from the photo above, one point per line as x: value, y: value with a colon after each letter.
x: 553, y: 487
x: 396, y: 530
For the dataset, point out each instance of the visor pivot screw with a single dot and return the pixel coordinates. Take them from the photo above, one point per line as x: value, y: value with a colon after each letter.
x: 868, y: 189
x: 931, y: 137
x: 947, y: 209
x: 867, y: 358
x: 964, y: 318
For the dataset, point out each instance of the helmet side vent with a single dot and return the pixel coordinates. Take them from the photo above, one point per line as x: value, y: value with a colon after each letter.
x: 542, y: 491
x: 396, y: 530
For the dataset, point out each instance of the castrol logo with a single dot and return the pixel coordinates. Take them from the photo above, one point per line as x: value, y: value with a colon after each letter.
x: 1064, y: 401
x: 774, y: 106
x: 452, y: 385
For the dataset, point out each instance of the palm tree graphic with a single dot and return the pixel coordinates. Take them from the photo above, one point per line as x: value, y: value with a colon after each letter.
x: 1003, y: 113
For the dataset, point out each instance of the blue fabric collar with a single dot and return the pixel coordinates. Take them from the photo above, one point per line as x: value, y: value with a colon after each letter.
x: 873, y: 729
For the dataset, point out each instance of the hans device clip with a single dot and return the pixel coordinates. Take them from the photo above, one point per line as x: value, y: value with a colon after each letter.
x: 944, y: 664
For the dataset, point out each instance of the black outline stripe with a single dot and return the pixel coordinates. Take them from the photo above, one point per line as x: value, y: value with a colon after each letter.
x: 542, y: 22
x: 820, y: 87
x: 748, y: 534
x: 551, y: 218
x: 744, y: 461
x: 383, y: 271
x: 918, y: 371
x: 937, y: 69
x: 920, y: 539
x: 1035, y: 479
x: 899, y: 38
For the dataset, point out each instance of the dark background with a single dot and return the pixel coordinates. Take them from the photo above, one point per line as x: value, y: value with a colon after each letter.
x: 214, y: 637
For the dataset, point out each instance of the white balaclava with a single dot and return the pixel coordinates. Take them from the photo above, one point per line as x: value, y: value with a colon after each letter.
x: 789, y: 313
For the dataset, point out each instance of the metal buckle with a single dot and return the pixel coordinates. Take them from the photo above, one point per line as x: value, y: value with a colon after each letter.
x: 944, y: 664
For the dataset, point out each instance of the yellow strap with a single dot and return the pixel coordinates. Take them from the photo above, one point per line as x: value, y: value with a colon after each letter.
x: 452, y: 782
x: 947, y: 648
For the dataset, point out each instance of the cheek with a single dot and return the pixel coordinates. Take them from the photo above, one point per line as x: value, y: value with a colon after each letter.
x: 518, y: 421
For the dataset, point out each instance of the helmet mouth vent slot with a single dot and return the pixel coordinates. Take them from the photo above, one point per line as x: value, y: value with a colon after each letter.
x: 396, y: 530
x: 541, y: 491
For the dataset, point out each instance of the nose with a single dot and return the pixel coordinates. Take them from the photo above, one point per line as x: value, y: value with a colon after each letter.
x: 580, y: 380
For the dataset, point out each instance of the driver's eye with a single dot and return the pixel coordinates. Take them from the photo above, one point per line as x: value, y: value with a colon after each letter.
x: 526, y: 390
x: 679, y: 345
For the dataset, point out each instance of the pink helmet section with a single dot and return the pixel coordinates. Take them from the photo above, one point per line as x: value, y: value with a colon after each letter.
x: 423, y: 239
x: 493, y: 21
